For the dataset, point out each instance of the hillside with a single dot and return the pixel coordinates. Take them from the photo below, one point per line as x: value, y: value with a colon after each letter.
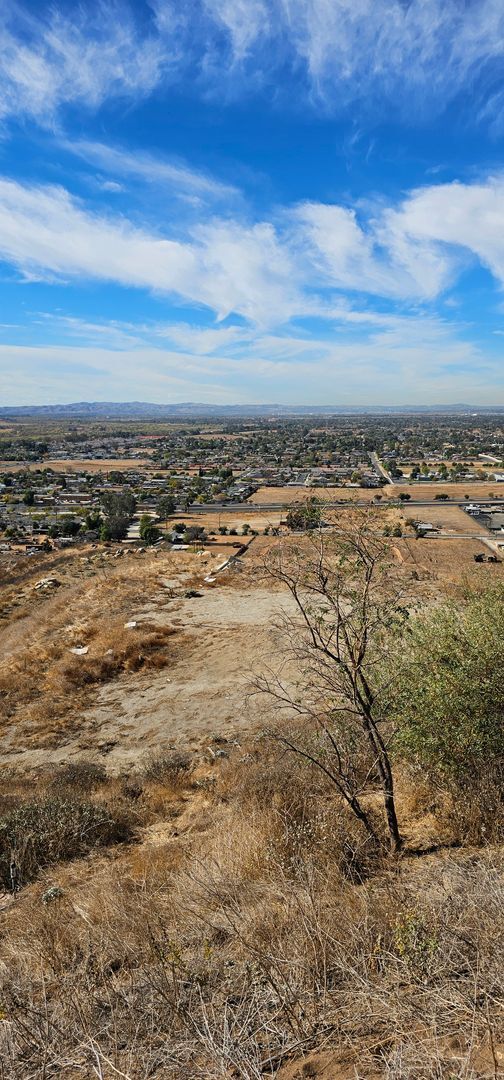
x: 184, y: 897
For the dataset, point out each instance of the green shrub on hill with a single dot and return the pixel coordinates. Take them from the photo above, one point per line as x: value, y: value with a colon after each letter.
x: 449, y: 701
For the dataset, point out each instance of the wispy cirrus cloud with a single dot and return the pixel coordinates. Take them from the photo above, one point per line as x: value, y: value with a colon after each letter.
x: 360, y: 51
x: 225, y: 265
x: 265, y: 271
x: 423, y: 53
x: 82, y: 55
x: 150, y: 169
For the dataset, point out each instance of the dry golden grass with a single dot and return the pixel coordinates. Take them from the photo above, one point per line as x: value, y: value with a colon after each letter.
x: 234, y: 942
x: 42, y: 683
x: 418, y: 491
x: 246, y: 929
x: 70, y: 465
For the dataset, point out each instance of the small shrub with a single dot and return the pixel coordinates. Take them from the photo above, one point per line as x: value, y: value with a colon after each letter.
x: 168, y: 767
x: 478, y: 819
x: 40, y: 833
x: 82, y: 776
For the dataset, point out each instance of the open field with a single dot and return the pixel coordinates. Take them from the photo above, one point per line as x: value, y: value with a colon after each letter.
x: 449, y: 519
x: 444, y: 563
x: 69, y: 465
x: 231, y: 518
x: 131, y: 690
x: 418, y: 492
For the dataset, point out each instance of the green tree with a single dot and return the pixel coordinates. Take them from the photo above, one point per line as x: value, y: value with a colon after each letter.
x: 119, y: 507
x: 93, y: 520
x: 29, y: 498
x: 65, y: 526
x: 166, y: 506
x: 115, y: 528
x: 194, y: 534
x: 118, y: 503
x: 149, y: 532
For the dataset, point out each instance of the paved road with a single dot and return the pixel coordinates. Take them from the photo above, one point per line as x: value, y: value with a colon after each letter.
x: 381, y: 468
x: 261, y: 508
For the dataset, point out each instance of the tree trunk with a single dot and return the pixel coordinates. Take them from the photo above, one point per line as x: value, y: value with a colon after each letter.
x: 386, y: 778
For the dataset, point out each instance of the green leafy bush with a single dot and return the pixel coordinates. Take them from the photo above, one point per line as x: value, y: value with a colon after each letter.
x: 449, y: 704
x: 305, y: 516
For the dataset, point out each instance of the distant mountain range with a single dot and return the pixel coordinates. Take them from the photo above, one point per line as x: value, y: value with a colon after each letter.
x: 189, y: 409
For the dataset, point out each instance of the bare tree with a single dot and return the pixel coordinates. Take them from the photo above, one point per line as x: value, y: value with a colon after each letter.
x: 346, y: 600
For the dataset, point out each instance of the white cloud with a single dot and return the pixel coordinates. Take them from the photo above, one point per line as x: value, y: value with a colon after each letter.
x: 430, y: 47
x: 382, y: 259
x: 67, y: 373
x: 417, y: 361
x: 470, y: 216
x: 419, y: 53
x: 244, y: 20
x: 224, y: 265
x: 42, y: 230
x: 151, y: 169
x: 416, y: 55
x: 271, y: 271
x: 84, y: 57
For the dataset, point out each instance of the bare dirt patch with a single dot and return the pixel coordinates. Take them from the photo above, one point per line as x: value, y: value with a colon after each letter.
x: 444, y: 562
x: 225, y: 635
x: 78, y: 681
x: 450, y: 519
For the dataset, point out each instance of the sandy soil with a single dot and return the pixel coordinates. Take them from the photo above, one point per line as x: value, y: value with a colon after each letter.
x: 443, y: 563
x: 227, y: 634
x: 222, y: 636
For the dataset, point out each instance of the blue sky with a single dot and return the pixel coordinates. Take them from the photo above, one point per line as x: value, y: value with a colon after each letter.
x: 242, y: 201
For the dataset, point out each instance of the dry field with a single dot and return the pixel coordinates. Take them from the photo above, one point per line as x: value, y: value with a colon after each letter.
x: 441, y: 564
x: 183, y: 670
x: 451, y: 519
x: 230, y: 938
x: 70, y: 465
x: 232, y: 519
x: 418, y: 492
x: 226, y: 436
x: 288, y: 495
